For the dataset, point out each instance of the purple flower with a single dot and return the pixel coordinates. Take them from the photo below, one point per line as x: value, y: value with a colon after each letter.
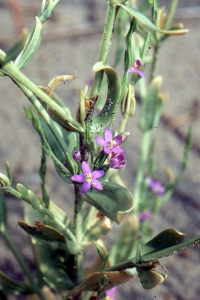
x: 108, y: 143
x: 88, y: 178
x: 117, y: 161
x: 110, y: 293
x: 144, y: 216
x: 136, y: 68
x: 77, y: 156
x: 155, y: 186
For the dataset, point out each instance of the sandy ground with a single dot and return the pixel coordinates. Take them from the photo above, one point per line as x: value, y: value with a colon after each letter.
x: 73, y: 51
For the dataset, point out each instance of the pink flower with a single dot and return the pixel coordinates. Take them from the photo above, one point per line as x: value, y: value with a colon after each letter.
x: 110, y: 293
x: 144, y: 216
x: 108, y: 143
x: 136, y: 68
x: 88, y: 178
x: 117, y: 161
x: 155, y: 186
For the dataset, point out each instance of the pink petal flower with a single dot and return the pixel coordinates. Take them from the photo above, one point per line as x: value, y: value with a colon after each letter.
x: 108, y: 143
x: 136, y: 68
x: 88, y: 178
x: 155, y: 186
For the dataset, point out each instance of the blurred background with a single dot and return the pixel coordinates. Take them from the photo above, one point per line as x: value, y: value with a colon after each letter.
x: 70, y: 45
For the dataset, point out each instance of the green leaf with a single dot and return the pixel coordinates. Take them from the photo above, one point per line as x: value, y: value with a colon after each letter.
x: 146, y: 22
x: 114, y: 201
x: 31, y: 47
x: 70, y: 139
x: 8, y: 172
x: 99, y: 250
x: 35, y: 202
x: 165, y: 239
x: 9, y: 285
x: 22, y: 190
x: 14, y: 51
x: 3, y: 210
x: 43, y: 232
x: 112, y: 101
x: 51, y: 258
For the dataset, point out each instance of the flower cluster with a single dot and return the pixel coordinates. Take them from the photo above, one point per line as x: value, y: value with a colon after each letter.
x: 117, y: 161
x: 110, y: 145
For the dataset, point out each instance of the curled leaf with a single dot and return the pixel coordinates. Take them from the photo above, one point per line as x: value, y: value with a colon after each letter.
x: 112, y: 100
x: 43, y: 232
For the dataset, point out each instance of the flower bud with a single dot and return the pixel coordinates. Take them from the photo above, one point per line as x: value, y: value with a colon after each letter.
x: 128, y: 104
x: 77, y: 156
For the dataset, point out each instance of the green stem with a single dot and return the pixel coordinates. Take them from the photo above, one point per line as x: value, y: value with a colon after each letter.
x: 123, y: 124
x: 89, y: 218
x: 155, y: 61
x: 66, y: 231
x: 105, y: 45
x: 141, y: 168
x: 78, y: 230
x: 21, y: 262
x: 171, y: 12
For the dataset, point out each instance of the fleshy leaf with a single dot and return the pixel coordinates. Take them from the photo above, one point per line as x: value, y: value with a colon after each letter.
x: 62, y: 116
x: 112, y: 100
x: 145, y: 21
x: 165, y: 239
x: 9, y: 285
x: 14, y: 51
x: 31, y: 47
x: 43, y: 232
x: 114, y: 201
x: 100, y: 225
x: 51, y: 258
x: 150, y: 278
x: 92, y: 282
x: 70, y: 139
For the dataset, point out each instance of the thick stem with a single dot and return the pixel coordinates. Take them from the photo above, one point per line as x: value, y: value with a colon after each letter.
x: 105, y: 45
x: 78, y: 230
x: 154, y: 61
x: 141, y: 168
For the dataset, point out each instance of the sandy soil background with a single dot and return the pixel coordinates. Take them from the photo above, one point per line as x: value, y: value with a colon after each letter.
x: 70, y: 46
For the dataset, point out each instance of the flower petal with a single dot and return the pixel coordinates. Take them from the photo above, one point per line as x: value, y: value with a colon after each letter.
x: 118, y: 150
x: 118, y: 140
x: 97, y: 185
x: 86, y: 168
x: 100, y: 141
x: 111, y: 292
x: 78, y: 178
x: 85, y: 187
x: 108, y: 135
x: 131, y: 70
x: 140, y: 72
x: 97, y: 174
